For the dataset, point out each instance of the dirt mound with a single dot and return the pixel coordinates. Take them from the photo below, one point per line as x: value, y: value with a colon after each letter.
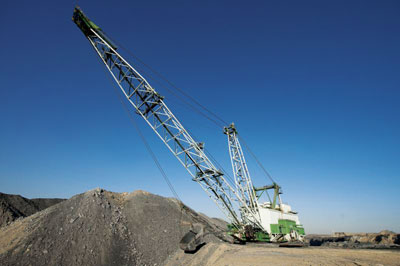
x: 13, y: 207
x: 382, y: 240
x: 44, y: 203
x: 103, y: 228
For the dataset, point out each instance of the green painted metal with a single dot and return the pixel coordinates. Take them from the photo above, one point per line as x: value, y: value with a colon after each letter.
x: 283, y: 227
x: 259, y: 236
x: 286, y: 227
x: 300, y: 230
x: 86, y: 25
x: 277, y: 191
x: 262, y: 237
x: 275, y: 229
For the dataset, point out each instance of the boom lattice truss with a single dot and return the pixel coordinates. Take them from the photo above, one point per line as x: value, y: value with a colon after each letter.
x: 241, y: 175
x: 151, y: 107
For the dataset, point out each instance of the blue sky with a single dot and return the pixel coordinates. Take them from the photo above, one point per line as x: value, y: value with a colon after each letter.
x: 313, y: 87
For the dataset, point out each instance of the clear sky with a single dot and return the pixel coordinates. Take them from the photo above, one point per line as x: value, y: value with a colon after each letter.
x: 313, y: 87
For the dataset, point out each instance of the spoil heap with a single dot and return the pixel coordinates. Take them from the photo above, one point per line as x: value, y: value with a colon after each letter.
x: 382, y: 240
x: 103, y: 228
x: 13, y: 207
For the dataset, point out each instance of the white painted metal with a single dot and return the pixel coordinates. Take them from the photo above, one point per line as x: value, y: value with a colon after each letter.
x: 242, y: 178
x: 271, y: 216
x: 263, y: 214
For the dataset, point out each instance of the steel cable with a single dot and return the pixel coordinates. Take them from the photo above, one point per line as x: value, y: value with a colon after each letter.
x: 256, y: 159
x: 219, y: 123
x: 146, y: 144
x: 222, y: 122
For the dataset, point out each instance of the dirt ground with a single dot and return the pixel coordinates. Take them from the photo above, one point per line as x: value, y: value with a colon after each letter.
x: 229, y: 254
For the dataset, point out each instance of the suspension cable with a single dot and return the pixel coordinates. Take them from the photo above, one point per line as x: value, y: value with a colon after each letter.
x: 217, y: 120
x: 227, y: 175
x: 256, y: 159
x: 216, y: 117
x: 207, y: 152
x: 186, y: 102
x: 220, y: 120
x: 146, y: 144
x: 189, y: 105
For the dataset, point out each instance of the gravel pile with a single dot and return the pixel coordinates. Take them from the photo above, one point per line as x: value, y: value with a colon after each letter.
x: 13, y: 207
x: 103, y: 228
x: 382, y: 240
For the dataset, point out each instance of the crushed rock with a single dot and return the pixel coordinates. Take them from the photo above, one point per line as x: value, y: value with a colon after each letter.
x: 382, y: 240
x: 104, y: 228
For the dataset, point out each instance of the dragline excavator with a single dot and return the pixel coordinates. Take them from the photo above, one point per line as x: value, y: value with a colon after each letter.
x: 239, y: 200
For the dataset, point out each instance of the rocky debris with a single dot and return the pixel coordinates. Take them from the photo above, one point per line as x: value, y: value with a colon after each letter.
x: 193, y: 239
x: 13, y: 207
x: 216, y: 222
x: 103, y: 228
x: 382, y: 240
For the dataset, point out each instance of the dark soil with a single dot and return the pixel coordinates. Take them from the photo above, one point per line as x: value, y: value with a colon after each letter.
x: 103, y: 228
x: 382, y: 240
x: 44, y: 203
x: 13, y: 207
